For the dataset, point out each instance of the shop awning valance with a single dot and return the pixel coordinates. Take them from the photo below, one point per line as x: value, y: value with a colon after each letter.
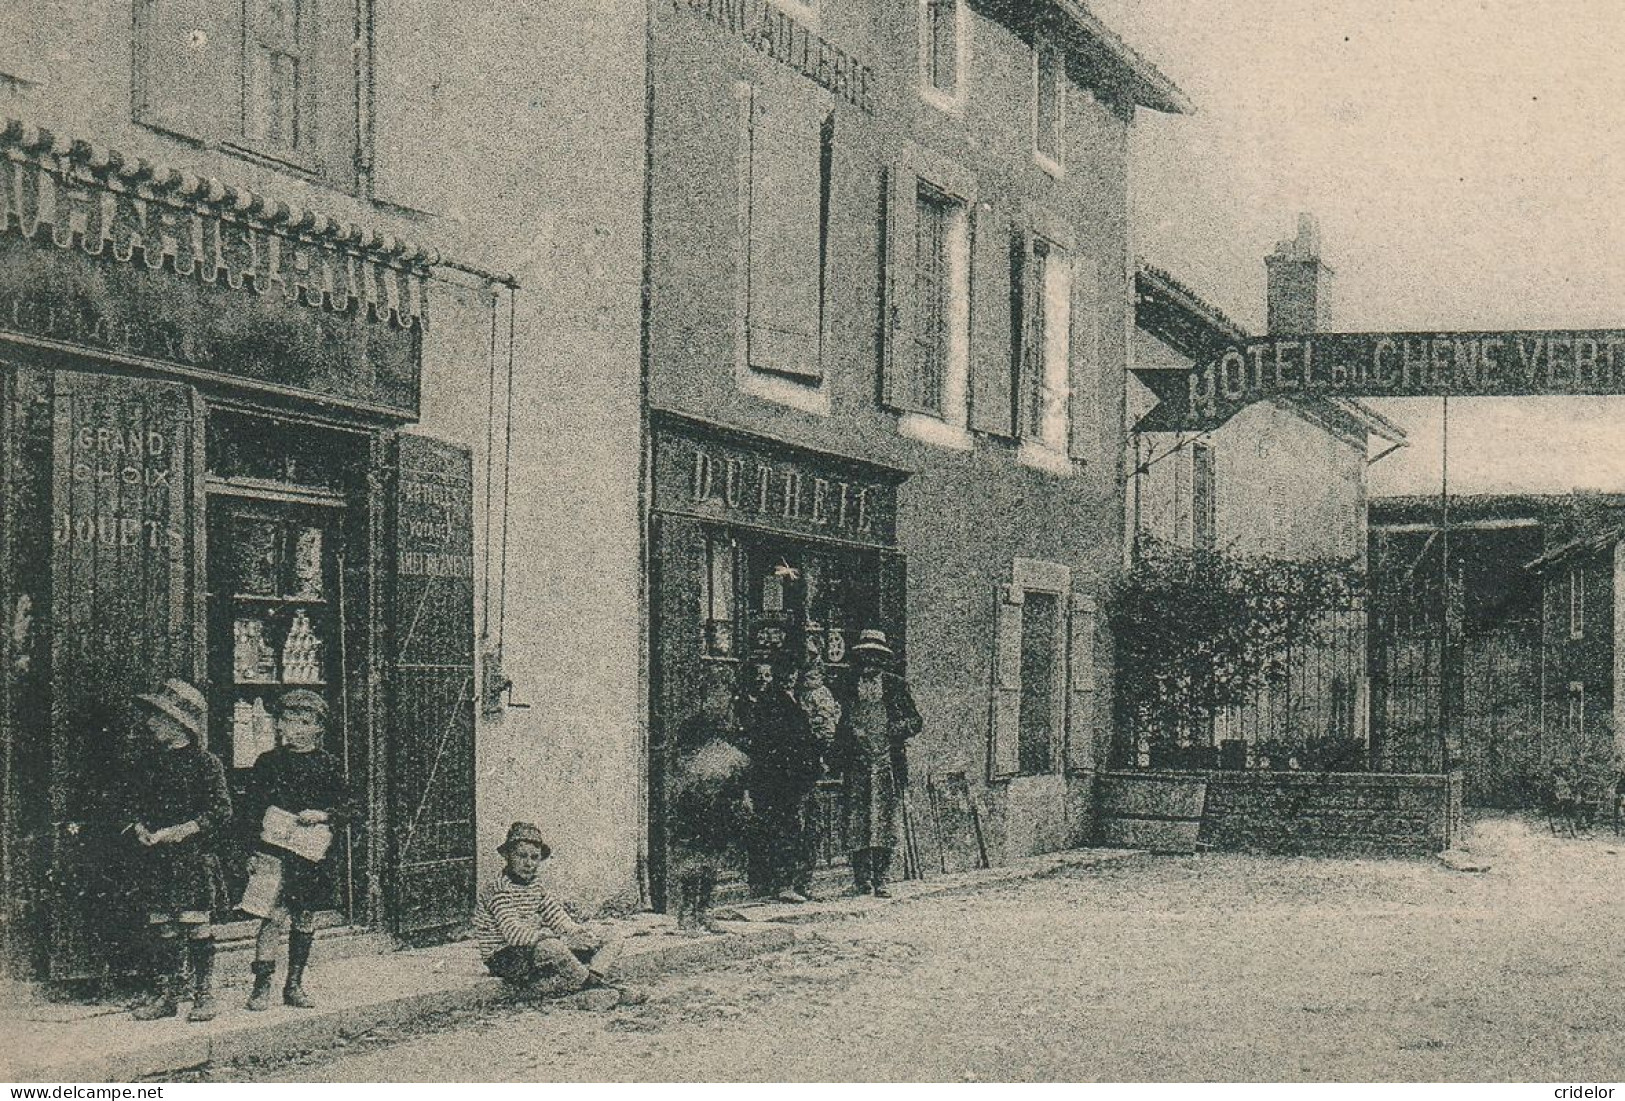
x: 85, y: 197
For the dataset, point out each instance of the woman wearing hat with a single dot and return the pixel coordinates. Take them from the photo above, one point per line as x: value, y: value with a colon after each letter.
x: 176, y: 803
x: 872, y: 749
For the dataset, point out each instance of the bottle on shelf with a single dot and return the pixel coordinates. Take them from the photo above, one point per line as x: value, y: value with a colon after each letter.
x: 301, y: 663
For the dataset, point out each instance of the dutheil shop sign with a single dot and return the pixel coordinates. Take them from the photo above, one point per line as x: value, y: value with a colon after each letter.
x: 734, y: 478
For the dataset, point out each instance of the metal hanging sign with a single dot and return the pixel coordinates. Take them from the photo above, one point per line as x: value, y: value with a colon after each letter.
x: 1386, y: 365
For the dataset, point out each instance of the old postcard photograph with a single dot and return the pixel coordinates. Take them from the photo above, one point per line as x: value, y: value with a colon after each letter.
x: 813, y: 541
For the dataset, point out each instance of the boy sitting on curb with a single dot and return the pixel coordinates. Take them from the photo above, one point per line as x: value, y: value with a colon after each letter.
x: 524, y: 935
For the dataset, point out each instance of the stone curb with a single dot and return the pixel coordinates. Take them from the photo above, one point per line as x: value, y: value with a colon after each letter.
x: 324, y: 1027
x: 1037, y: 867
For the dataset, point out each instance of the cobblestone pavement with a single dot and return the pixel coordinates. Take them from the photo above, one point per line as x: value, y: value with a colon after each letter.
x: 1217, y: 967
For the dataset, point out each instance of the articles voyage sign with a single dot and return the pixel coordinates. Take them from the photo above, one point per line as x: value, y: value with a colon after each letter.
x: 1387, y: 365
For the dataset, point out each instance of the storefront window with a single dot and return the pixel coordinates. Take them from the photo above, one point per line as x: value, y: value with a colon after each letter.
x: 721, y: 601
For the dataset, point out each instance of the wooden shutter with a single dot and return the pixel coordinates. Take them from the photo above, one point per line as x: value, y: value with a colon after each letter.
x: 432, y: 689
x: 899, y: 386
x: 786, y: 172
x: 188, y: 67
x: 1004, y: 755
x: 991, y: 379
x: 411, y: 146
x: 1029, y: 365
x: 1086, y: 368
x: 1081, y: 685
x: 1059, y: 379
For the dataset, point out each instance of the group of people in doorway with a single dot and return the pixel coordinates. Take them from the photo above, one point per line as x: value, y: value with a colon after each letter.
x: 178, y: 807
x: 743, y: 776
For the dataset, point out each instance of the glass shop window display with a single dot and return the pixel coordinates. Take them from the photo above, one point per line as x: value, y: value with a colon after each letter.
x: 277, y: 528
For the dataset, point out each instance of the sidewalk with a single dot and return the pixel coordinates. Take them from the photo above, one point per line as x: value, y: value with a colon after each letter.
x: 54, y: 1043
x: 47, y: 1042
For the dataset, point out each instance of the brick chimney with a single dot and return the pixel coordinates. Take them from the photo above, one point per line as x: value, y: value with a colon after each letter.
x: 1299, y: 284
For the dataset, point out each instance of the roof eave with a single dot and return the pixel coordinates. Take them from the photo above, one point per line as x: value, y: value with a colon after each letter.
x: 1151, y: 88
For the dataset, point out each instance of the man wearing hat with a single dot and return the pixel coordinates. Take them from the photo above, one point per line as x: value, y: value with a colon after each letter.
x: 523, y: 934
x: 872, y: 749
x: 176, y: 803
x: 305, y: 781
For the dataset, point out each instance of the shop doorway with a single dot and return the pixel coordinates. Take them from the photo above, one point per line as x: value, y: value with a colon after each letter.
x: 280, y: 616
x: 726, y: 598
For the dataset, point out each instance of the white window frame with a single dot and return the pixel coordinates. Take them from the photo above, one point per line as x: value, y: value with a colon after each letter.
x: 1056, y: 165
x: 953, y: 101
x: 1577, y: 709
x: 1577, y: 601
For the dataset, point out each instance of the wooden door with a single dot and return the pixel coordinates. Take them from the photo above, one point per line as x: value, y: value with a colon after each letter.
x: 432, y: 688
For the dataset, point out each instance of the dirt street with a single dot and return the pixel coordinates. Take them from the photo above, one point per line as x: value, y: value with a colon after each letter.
x: 1218, y: 967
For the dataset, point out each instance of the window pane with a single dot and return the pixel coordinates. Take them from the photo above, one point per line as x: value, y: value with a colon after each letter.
x: 1202, y: 492
x: 1037, y: 283
x: 1040, y: 680
x: 942, y: 44
x: 933, y: 294
x: 720, y: 603
x: 1051, y: 69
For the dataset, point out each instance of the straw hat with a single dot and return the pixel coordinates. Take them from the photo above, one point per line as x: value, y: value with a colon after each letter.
x: 873, y: 643
x: 521, y: 832
x: 180, y: 700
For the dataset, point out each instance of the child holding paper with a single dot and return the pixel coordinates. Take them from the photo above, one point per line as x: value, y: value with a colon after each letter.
x: 297, y: 793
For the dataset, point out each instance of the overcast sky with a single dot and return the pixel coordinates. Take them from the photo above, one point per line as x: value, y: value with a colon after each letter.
x: 1466, y: 159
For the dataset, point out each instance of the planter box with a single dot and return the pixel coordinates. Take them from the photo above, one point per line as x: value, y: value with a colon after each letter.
x: 1159, y: 811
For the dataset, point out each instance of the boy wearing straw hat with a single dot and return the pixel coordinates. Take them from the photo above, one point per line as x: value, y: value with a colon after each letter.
x: 300, y: 779
x: 176, y: 803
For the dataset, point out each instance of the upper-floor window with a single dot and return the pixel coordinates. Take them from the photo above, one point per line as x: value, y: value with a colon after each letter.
x: 789, y: 141
x: 943, y: 28
x: 1577, y: 602
x: 1049, y: 106
x: 275, y: 114
x: 1041, y: 282
x: 928, y: 307
x: 273, y: 78
x: 1203, y: 511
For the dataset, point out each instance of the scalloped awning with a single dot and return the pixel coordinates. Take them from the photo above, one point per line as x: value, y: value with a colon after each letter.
x: 106, y: 204
x: 139, y: 263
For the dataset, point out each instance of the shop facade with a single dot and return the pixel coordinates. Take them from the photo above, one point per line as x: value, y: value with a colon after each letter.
x: 888, y: 251
x: 761, y: 551
x: 205, y: 476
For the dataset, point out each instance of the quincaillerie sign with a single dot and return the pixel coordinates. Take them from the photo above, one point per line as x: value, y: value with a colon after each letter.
x: 1387, y: 365
x: 728, y: 476
x: 137, y: 260
x: 777, y: 34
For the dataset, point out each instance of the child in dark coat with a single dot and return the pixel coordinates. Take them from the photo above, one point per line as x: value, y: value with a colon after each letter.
x: 304, y: 781
x: 176, y: 803
x: 706, y: 807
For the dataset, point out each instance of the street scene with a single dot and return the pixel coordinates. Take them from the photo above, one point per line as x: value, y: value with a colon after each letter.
x: 1225, y: 968
x: 811, y: 540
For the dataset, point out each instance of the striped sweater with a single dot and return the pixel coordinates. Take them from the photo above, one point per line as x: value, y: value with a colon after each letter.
x: 510, y: 913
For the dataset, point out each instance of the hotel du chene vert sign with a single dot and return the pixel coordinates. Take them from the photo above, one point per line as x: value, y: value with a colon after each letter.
x: 146, y: 264
x: 1385, y: 365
